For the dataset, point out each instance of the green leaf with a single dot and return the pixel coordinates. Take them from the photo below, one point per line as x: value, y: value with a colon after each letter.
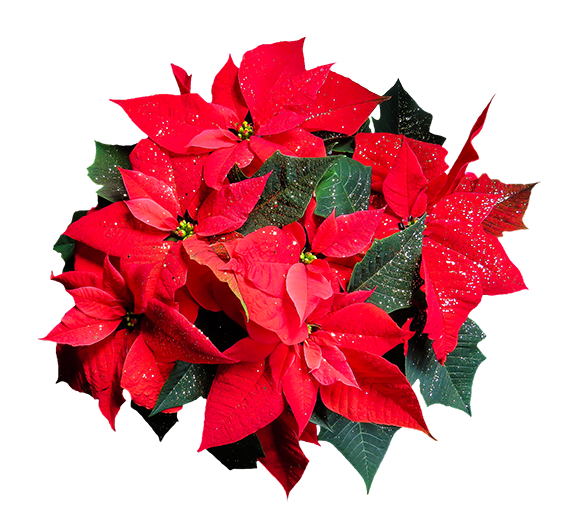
x: 163, y: 425
x: 391, y: 266
x: 288, y: 190
x: 345, y: 187
x: 362, y: 444
x: 65, y: 245
x: 243, y: 454
x: 345, y: 144
x: 187, y: 382
x: 320, y: 414
x: 236, y: 175
x: 449, y: 384
x: 401, y: 115
x: 104, y: 170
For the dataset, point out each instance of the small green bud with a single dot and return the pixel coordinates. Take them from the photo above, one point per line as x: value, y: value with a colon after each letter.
x: 307, y: 257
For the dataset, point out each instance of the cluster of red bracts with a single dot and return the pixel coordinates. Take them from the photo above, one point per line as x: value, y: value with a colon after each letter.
x: 144, y: 266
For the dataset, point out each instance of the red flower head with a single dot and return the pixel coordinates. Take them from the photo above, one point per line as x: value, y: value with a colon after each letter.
x: 270, y: 103
x: 168, y: 204
x: 461, y: 262
x: 340, y: 357
x: 104, y: 346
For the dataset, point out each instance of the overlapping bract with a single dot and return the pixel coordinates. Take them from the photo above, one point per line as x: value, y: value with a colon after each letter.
x: 461, y: 257
x: 207, y: 250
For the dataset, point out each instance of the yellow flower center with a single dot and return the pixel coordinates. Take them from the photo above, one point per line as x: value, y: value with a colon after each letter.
x: 307, y: 257
x: 184, y: 230
x: 245, y: 131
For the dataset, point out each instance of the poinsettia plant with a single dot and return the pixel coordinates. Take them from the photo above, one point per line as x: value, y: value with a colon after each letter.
x: 281, y: 254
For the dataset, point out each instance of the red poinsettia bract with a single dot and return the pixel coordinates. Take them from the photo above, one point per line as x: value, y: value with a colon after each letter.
x: 104, y: 346
x: 283, y: 274
x: 461, y: 259
x: 168, y: 203
x: 340, y: 358
x: 270, y: 103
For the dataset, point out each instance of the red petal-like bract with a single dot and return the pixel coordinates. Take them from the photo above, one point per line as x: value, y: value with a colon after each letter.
x: 332, y: 366
x: 181, y: 173
x: 301, y: 391
x: 264, y: 148
x: 498, y: 275
x: 298, y: 142
x: 143, y: 375
x: 467, y: 208
x: 346, y: 235
x: 203, y: 252
x: 226, y: 90
x: 152, y: 214
x: 113, y: 230
x: 341, y: 106
x: 248, y: 350
x: 467, y: 155
x: 296, y: 231
x: 97, y: 303
x: 186, y: 305
x: 264, y: 257
x: 343, y: 300
x: 172, y: 120
x: 70, y: 368
x: 453, y: 288
x: 430, y: 156
x: 306, y: 288
x: 511, y: 204
x: 243, y: 399
x: 78, y: 279
x: 87, y: 259
x: 365, y: 327
x: 460, y: 263
x: 220, y: 162
x: 268, y: 68
x: 183, y: 79
x: 288, y: 109
x: 379, y: 151
x: 141, y: 185
x: 103, y: 370
x: 211, y: 139
x: 404, y: 185
x: 227, y: 209
x: 114, y: 282
x: 280, y: 360
x: 170, y: 335
x: 310, y: 434
x: 283, y: 458
x: 154, y: 271
x: 273, y: 313
x: 78, y: 329
x: 384, y: 396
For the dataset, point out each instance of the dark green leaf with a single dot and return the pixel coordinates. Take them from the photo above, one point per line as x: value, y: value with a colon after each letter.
x: 362, y: 444
x: 65, y: 245
x: 345, y: 144
x: 288, y: 190
x: 187, y: 382
x: 104, y: 170
x: 449, y: 384
x: 391, y: 266
x: 236, y: 175
x: 320, y: 415
x: 160, y: 423
x: 401, y: 115
x: 243, y: 454
x: 344, y: 187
